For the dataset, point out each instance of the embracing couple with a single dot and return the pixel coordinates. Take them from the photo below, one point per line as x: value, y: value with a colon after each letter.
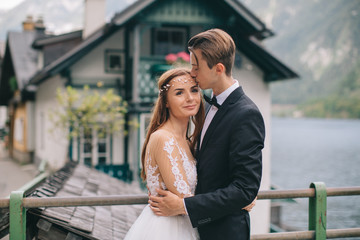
x: 202, y: 164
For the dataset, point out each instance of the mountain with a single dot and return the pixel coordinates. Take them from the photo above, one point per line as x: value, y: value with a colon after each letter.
x: 59, y: 16
x: 319, y: 39
x: 343, y: 103
x: 54, y: 14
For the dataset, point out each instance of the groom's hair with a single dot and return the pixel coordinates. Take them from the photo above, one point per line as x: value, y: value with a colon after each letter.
x: 216, y: 46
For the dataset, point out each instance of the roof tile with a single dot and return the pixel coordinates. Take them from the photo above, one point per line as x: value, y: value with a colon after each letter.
x: 91, y: 222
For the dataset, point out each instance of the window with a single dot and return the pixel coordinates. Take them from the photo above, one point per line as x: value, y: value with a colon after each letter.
x: 169, y: 40
x: 114, y: 61
x: 95, y: 149
x: 86, y: 143
x: 103, y: 150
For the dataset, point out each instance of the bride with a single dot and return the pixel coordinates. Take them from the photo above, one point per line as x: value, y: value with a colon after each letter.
x: 167, y: 155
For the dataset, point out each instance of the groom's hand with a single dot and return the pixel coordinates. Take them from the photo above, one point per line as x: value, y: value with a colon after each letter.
x: 250, y: 206
x: 167, y: 204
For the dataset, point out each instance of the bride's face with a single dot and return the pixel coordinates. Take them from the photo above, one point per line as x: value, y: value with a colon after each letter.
x: 183, y: 97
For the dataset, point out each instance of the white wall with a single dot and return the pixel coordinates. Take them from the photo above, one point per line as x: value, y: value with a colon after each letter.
x: 90, y: 69
x: 3, y: 116
x: 250, y: 78
x: 52, y: 147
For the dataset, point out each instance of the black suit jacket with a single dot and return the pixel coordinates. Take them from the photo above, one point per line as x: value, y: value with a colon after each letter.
x: 229, y: 166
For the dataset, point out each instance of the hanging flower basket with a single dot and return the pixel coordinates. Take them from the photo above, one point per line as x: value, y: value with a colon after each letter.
x: 180, y: 58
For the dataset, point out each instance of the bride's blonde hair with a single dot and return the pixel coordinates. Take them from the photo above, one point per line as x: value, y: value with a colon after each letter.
x: 161, y: 114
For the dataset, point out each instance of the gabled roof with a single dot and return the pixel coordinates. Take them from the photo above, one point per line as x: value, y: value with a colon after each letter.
x: 23, y: 56
x: 129, y: 12
x: 273, y: 69
x: 78, y: 52
x: 39, y: 43
x: 252, y: 25
x: 260, y: 30
x: 73, y: 55
x: 51, y: 45
x: 21, y: 59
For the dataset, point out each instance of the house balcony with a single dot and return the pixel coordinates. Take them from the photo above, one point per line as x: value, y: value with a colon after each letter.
x: 150, y: 68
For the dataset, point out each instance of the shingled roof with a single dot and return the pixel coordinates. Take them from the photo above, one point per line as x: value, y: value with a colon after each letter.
x: 24, y: 57
x: 85, y: 222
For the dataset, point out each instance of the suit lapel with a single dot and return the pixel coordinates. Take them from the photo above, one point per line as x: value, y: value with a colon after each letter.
x: 231, y: 99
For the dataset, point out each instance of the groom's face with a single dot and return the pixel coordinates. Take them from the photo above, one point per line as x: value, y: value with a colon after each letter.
x: 200, y: 70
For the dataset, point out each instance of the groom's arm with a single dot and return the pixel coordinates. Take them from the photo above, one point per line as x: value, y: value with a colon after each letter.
x: 170, y: 204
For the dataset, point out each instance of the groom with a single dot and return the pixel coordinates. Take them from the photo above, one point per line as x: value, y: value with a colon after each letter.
x: 229, y: 160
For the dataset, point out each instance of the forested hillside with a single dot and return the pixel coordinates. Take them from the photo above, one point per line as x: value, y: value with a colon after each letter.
x: 320, y: 40
x: 343, y: 103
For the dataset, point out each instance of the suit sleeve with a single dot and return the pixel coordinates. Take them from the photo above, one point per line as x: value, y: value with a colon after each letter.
x: 244, y: 167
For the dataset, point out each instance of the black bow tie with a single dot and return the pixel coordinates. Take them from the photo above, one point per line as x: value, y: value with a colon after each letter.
x: 212, y: 101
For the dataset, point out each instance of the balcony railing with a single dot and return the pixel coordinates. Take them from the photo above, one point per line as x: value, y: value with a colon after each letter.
x: 317, y: 194
x: 150, y: 68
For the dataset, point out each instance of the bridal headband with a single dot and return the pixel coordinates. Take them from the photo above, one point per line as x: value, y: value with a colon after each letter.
x: 183, y: 79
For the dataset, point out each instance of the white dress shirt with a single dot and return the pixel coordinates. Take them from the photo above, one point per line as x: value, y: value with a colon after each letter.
x: 212, y: 111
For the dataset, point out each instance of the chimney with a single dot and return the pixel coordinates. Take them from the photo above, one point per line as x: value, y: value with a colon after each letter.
x: 40, y: 27
x: 39, y: 24
x: 28, y: 24
x: 94, y: 16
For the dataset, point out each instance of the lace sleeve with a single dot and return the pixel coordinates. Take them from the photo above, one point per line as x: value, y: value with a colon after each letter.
x: 169, y: 157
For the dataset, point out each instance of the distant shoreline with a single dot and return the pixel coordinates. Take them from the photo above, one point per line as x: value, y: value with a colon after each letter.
x: 298, y: 111
x: 286, y: 110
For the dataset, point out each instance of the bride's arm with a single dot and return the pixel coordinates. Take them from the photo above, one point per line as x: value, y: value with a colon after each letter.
x: 165, y: 153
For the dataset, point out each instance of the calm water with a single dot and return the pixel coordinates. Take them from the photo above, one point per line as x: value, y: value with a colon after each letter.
x: 314, y: 150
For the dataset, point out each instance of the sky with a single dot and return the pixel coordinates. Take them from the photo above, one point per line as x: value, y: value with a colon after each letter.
x: 6, y: 4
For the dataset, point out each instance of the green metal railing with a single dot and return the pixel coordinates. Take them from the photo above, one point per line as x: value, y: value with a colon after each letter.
x: 16, y: 208
x: 317, y: 194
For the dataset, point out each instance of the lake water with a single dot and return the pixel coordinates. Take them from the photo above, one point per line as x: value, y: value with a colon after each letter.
x: 317, y: 150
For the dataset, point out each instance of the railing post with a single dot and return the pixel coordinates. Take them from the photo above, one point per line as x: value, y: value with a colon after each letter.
x: 317, y: 210
x: 17, y: 216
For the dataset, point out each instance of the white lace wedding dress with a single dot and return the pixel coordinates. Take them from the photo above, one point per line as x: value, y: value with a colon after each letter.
x: 172, y: 167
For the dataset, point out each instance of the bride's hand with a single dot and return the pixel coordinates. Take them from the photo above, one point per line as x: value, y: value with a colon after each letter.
x: 250, y: 206
x: 167, y: 204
